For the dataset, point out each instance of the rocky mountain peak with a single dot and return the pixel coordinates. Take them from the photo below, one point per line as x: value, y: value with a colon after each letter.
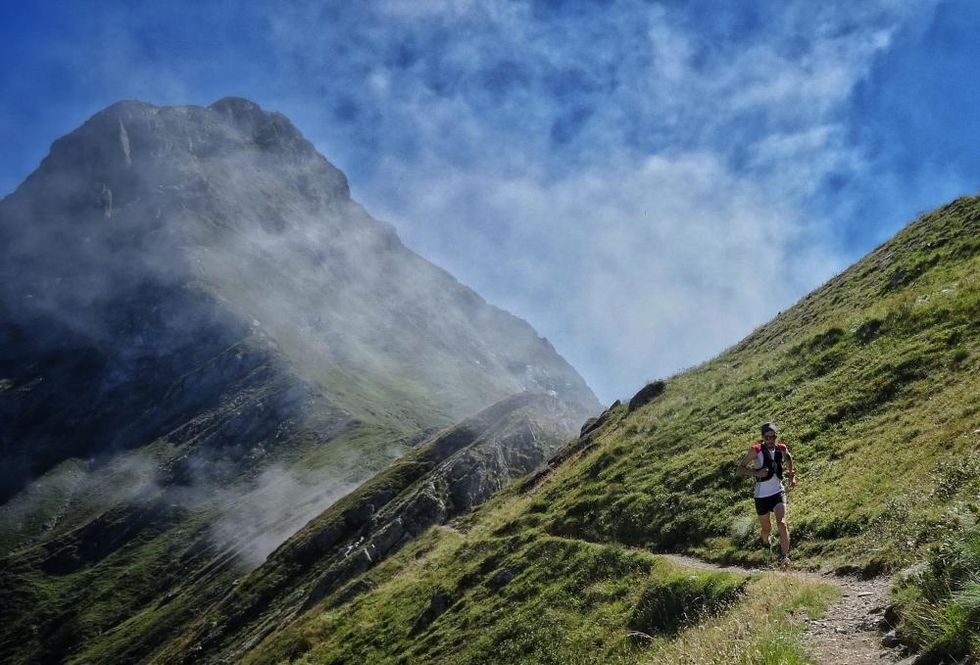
x: 160, y: 236
x: 131, y: 143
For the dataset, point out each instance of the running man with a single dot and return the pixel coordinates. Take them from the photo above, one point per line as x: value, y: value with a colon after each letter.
x: 765, y: 462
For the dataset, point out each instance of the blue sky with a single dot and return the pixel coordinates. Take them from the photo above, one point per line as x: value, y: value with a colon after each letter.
x: 645, y: 182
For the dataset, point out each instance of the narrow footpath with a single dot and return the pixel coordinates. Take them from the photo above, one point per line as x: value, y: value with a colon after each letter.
x: 848, y: 634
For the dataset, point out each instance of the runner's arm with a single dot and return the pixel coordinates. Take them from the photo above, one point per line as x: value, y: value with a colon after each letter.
x: 746, y: 466
x: 790, y: 469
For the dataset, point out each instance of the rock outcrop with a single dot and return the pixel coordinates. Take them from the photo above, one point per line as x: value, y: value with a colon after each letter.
x: 445, y: 477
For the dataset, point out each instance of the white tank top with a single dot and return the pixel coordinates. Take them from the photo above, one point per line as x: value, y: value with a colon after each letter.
x: 767, y: 487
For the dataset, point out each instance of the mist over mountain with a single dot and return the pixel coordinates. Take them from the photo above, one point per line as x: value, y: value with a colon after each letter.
x: 162, y: 254
x: 241, y: 422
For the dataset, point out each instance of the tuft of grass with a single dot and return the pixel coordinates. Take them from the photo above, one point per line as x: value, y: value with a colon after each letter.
x: 939, y: 600
x: 674, y: 602
x: 762, y: 630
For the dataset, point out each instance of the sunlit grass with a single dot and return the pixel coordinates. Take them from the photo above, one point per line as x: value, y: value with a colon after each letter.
x: 763, y: 630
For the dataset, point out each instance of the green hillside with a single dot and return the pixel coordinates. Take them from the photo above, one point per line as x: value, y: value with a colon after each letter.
x: 874, y: 381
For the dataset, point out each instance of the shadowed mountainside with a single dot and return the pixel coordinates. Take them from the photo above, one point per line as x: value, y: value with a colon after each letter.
x: 444, y: 478
x: 204, y: 342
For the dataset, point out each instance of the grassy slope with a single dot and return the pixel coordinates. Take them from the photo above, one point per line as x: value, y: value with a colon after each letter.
x: 874, y: 380
x: 152, y: 580
x: 498, y: 596
x: 144, y: 620
x: 287, y: 579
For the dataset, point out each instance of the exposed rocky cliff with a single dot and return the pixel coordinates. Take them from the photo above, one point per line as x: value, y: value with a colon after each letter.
x: 445, y: 477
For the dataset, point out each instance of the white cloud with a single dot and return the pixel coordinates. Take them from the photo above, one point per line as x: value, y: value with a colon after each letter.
x: 558, y: 162
x: 634, y: 272
x: 641, y: 260
x: 280, y: 502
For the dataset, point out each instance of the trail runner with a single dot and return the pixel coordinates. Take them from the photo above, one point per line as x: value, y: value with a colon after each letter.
x: 769, y: 462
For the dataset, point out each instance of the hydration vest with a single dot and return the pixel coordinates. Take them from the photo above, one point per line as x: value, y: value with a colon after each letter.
x: 773, y: 461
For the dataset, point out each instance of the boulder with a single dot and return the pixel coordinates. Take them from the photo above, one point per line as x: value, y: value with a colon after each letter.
x: 647, y: 394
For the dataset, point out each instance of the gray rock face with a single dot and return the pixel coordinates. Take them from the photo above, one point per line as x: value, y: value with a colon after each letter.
x: 647, y: 394
x: 474, y: 460
x: 445, y: 477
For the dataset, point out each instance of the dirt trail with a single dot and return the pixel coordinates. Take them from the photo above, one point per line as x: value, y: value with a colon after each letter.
x: 848, y: 634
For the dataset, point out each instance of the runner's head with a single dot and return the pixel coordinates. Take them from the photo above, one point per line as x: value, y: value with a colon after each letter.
x: 769, y: 432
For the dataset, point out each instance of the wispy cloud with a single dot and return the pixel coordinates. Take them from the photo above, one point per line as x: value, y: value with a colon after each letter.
x: 643, y: 182
x: 250, y: 518
x: 633, y: 179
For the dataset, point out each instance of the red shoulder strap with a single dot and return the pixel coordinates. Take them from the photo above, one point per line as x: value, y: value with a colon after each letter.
x: 781, y: 445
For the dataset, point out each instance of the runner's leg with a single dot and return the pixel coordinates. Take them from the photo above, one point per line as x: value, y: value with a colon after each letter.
x: 780, y: 511
x: 766, y: 527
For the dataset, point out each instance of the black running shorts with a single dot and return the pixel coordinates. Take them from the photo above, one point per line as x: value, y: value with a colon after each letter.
x: 766, y: 504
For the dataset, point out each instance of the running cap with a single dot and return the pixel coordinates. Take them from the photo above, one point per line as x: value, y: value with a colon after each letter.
x: 769, y: 427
